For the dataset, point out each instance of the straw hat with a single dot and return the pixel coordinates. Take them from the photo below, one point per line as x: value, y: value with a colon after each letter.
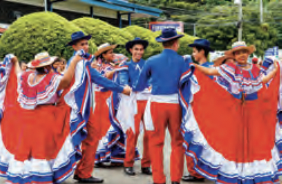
x: 218, y: 61
x: 103, y: 48
x: 41, y: 59
x: 240, y: 45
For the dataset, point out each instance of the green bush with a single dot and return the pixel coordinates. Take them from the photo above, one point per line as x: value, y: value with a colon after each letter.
x: 39, y: 32
x: 104, y: 33
x: 146, y: 34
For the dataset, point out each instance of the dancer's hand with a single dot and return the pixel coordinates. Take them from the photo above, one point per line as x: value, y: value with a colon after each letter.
x: 95, y: 64
x: 80, y: 53
x: 14, y: 59
x: 276, y: 65
x: 127, y: 90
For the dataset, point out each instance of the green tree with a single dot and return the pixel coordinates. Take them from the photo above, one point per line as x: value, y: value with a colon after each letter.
x: 221, y: 29
x: 39, y: 32
x: 274, y: 9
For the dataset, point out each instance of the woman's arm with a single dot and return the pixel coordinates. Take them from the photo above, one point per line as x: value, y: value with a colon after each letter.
x: 68, y: 75
x: 271, y: 74
x: 207, y: 71
x: 17, y: 65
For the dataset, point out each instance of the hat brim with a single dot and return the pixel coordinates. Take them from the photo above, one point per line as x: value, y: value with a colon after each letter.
x: 251, y: 49
x: 47, y: 63
x: 218, y: 61
x: 199, y: 45
x: 88, y: 37
x: 102, y: 50
x: 161, y: 39
x: 130, y: 44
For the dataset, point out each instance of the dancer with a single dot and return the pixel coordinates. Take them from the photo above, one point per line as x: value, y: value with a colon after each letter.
x: 163, y: 109
x: 40, y: 148
x: 111, y: 149
x: 81, y: 95
x: 230, y: 152
x: 129, y: 74
x: 201, y: 50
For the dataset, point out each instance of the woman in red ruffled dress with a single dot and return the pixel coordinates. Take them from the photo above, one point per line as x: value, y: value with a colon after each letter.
x: 230, y: 128
x: 111, y: 147
x: 35, y: 141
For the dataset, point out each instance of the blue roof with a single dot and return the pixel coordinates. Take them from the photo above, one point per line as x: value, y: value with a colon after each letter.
x: 120, y: 5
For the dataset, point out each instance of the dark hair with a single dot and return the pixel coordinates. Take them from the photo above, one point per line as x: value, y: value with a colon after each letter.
x: 56, y: 60
x: 224, y: 61
x: 199, y: 48
x: 74, y: 43
x: 101, y: 55
x: 169, y: 43
x: 40, y: 70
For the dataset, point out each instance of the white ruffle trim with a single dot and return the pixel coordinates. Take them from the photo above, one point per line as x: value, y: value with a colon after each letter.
x: 229, y: 168
x: 36, y: 167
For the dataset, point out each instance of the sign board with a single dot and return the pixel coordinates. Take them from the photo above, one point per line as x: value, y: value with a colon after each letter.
x: 157, y: 26
x: 3, y: 27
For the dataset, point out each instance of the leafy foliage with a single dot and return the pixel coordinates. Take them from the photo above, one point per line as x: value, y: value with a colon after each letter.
x: 223, y: 31
x: 39, y: 32
x: 274, y: 9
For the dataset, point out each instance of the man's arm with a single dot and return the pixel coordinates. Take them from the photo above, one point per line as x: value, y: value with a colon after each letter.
x: 97, y: 78
x: 143, y: 78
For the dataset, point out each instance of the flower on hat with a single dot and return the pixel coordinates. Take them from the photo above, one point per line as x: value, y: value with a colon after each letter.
x: 35, y: 62
x: 255, y: 60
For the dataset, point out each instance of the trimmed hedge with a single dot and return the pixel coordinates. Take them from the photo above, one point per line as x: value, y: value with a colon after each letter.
x: 39, y: 32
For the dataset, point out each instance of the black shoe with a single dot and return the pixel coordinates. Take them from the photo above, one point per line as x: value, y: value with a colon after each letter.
x: 146, y: 170
x: 99, y: 165
x: 88, y: 180
x: 75, y: 177
x: 190, y: 178
x: 129, y: 171
x: 174, y: 182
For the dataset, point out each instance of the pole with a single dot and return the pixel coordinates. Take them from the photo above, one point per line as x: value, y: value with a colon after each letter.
x: 240, y: 29
x: 45, y: 2
x: 129, y: 19
x: 261, y: 11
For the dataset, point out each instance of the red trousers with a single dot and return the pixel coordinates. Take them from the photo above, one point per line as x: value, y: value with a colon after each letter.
x: 97, y: 127
x: 166, y: 115
x: 190, y: 168
x: 132, y: 138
